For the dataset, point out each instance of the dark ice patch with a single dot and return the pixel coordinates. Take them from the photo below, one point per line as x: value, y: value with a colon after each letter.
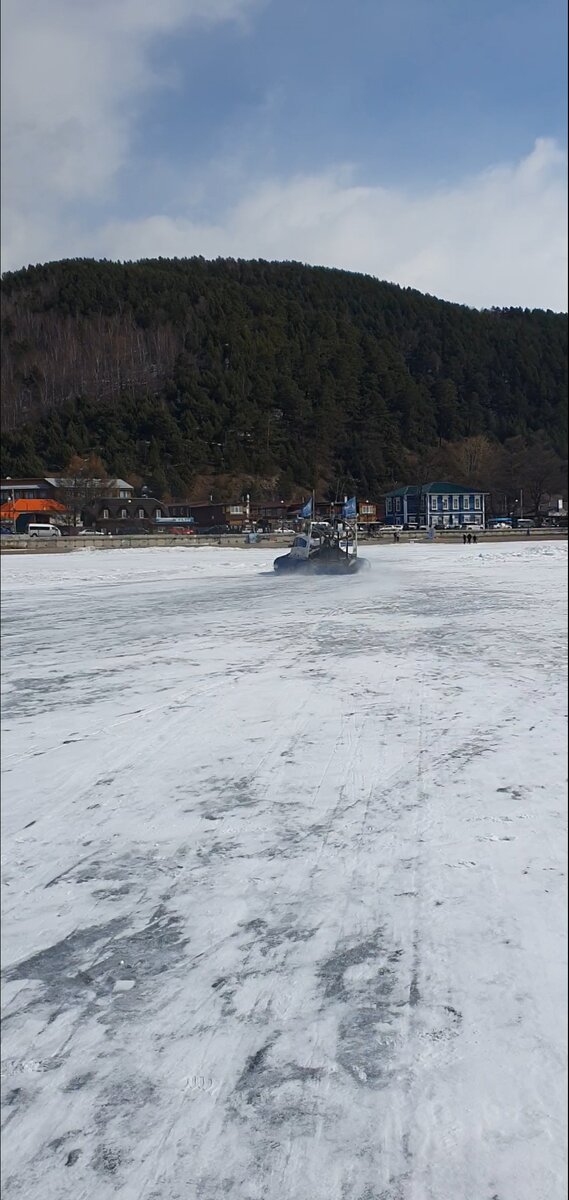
x: 30, y: 695
x: 267, y: 937
x: 366, y: 1046
x: 212, y: 1187
x: 79, y: 1081
x: 140, y: 957
x: 72, y: 972
x: 228, y: 795
x: 217, y: 850
x: 361, y: 977
x: 121, y: 1103
x: 13, y: 1102
x: 279, y: 1091
x: 106, y: 1160
x: 113, y: 893
x: 253, y: 1066
x: 60, y: 967
x: 332, y: 972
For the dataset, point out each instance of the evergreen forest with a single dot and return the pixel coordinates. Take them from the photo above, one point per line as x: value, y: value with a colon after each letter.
x: 286, y: 376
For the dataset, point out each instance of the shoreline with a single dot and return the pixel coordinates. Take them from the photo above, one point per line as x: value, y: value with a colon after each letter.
x: 21, y: 545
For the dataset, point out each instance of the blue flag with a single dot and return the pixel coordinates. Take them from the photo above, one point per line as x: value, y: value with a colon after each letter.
x: 306, y: 511
x: 349, y: 509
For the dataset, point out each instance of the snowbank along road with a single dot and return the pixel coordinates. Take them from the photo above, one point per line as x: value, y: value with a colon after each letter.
x: 284, y: 877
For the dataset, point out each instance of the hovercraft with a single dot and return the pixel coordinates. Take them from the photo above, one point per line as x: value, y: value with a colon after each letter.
x: 323, y: 548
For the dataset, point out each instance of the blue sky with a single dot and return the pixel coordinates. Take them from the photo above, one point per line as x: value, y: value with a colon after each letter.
x: 397, y: 138
x: 410, y: 91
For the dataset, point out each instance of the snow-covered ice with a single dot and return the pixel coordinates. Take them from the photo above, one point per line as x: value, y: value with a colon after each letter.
x: 284, y: 876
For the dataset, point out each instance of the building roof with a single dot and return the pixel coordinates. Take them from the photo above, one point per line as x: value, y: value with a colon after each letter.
x: 115, y: 504
x: 66, y: 481
x: 15, y: 508
x: 446, y: 489
x: 56, y: 481
x: 31, y: 481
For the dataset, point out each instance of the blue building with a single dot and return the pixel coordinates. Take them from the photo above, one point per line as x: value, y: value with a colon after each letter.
x: 435, y: 506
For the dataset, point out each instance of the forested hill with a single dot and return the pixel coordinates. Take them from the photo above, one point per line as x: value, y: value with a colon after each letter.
x: 169, y: 369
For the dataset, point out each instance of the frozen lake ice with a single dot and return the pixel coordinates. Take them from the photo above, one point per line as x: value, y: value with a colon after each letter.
x: 284, y: 876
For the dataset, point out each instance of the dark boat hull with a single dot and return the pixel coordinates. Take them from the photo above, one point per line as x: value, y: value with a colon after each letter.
x: 320, y: 565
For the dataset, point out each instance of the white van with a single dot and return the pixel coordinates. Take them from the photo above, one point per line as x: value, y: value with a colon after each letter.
x: 49, y: 531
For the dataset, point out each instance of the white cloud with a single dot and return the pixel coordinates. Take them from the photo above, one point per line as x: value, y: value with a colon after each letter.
x: 74, y: 75
x: 498, y: 238
x: 73, y: 72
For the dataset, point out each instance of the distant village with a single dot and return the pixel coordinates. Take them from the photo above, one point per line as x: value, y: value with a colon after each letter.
x: 83, y: 504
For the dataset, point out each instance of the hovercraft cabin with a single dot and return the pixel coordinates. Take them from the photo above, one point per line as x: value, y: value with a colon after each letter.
x: 435, y: 506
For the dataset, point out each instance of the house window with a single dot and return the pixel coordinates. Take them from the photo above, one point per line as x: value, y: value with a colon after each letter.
x: 445, y: 503
x: 434, y: 502
x: 477, y: 503
x: 236, y: 509
x: 158, y: 512
x: 141, y: 512
x: 466, y: 502
x: 389, y: 504
x: 455, y: 502
x: 105, y: 514
x: 397, y: 504
x: 123, y: 513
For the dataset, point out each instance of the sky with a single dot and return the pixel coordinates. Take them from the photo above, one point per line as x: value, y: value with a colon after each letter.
x: 418, y: 141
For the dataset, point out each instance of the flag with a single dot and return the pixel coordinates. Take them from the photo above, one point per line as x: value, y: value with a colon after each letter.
x: 306, y: 511
x: 349, y: 508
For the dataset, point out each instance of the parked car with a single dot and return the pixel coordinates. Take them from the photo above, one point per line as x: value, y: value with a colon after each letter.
x: 44, y: 531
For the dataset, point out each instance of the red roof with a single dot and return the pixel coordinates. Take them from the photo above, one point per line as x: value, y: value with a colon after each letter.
x: 14, y: 508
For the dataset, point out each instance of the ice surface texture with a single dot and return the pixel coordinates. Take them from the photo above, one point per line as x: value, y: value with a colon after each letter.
x: 284, y: 876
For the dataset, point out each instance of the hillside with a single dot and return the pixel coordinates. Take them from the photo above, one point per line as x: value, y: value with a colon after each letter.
x: 176, y: 370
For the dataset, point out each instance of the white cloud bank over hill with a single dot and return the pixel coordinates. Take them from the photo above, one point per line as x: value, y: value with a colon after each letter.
x: 498, y: 238
x: 74, y: 79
